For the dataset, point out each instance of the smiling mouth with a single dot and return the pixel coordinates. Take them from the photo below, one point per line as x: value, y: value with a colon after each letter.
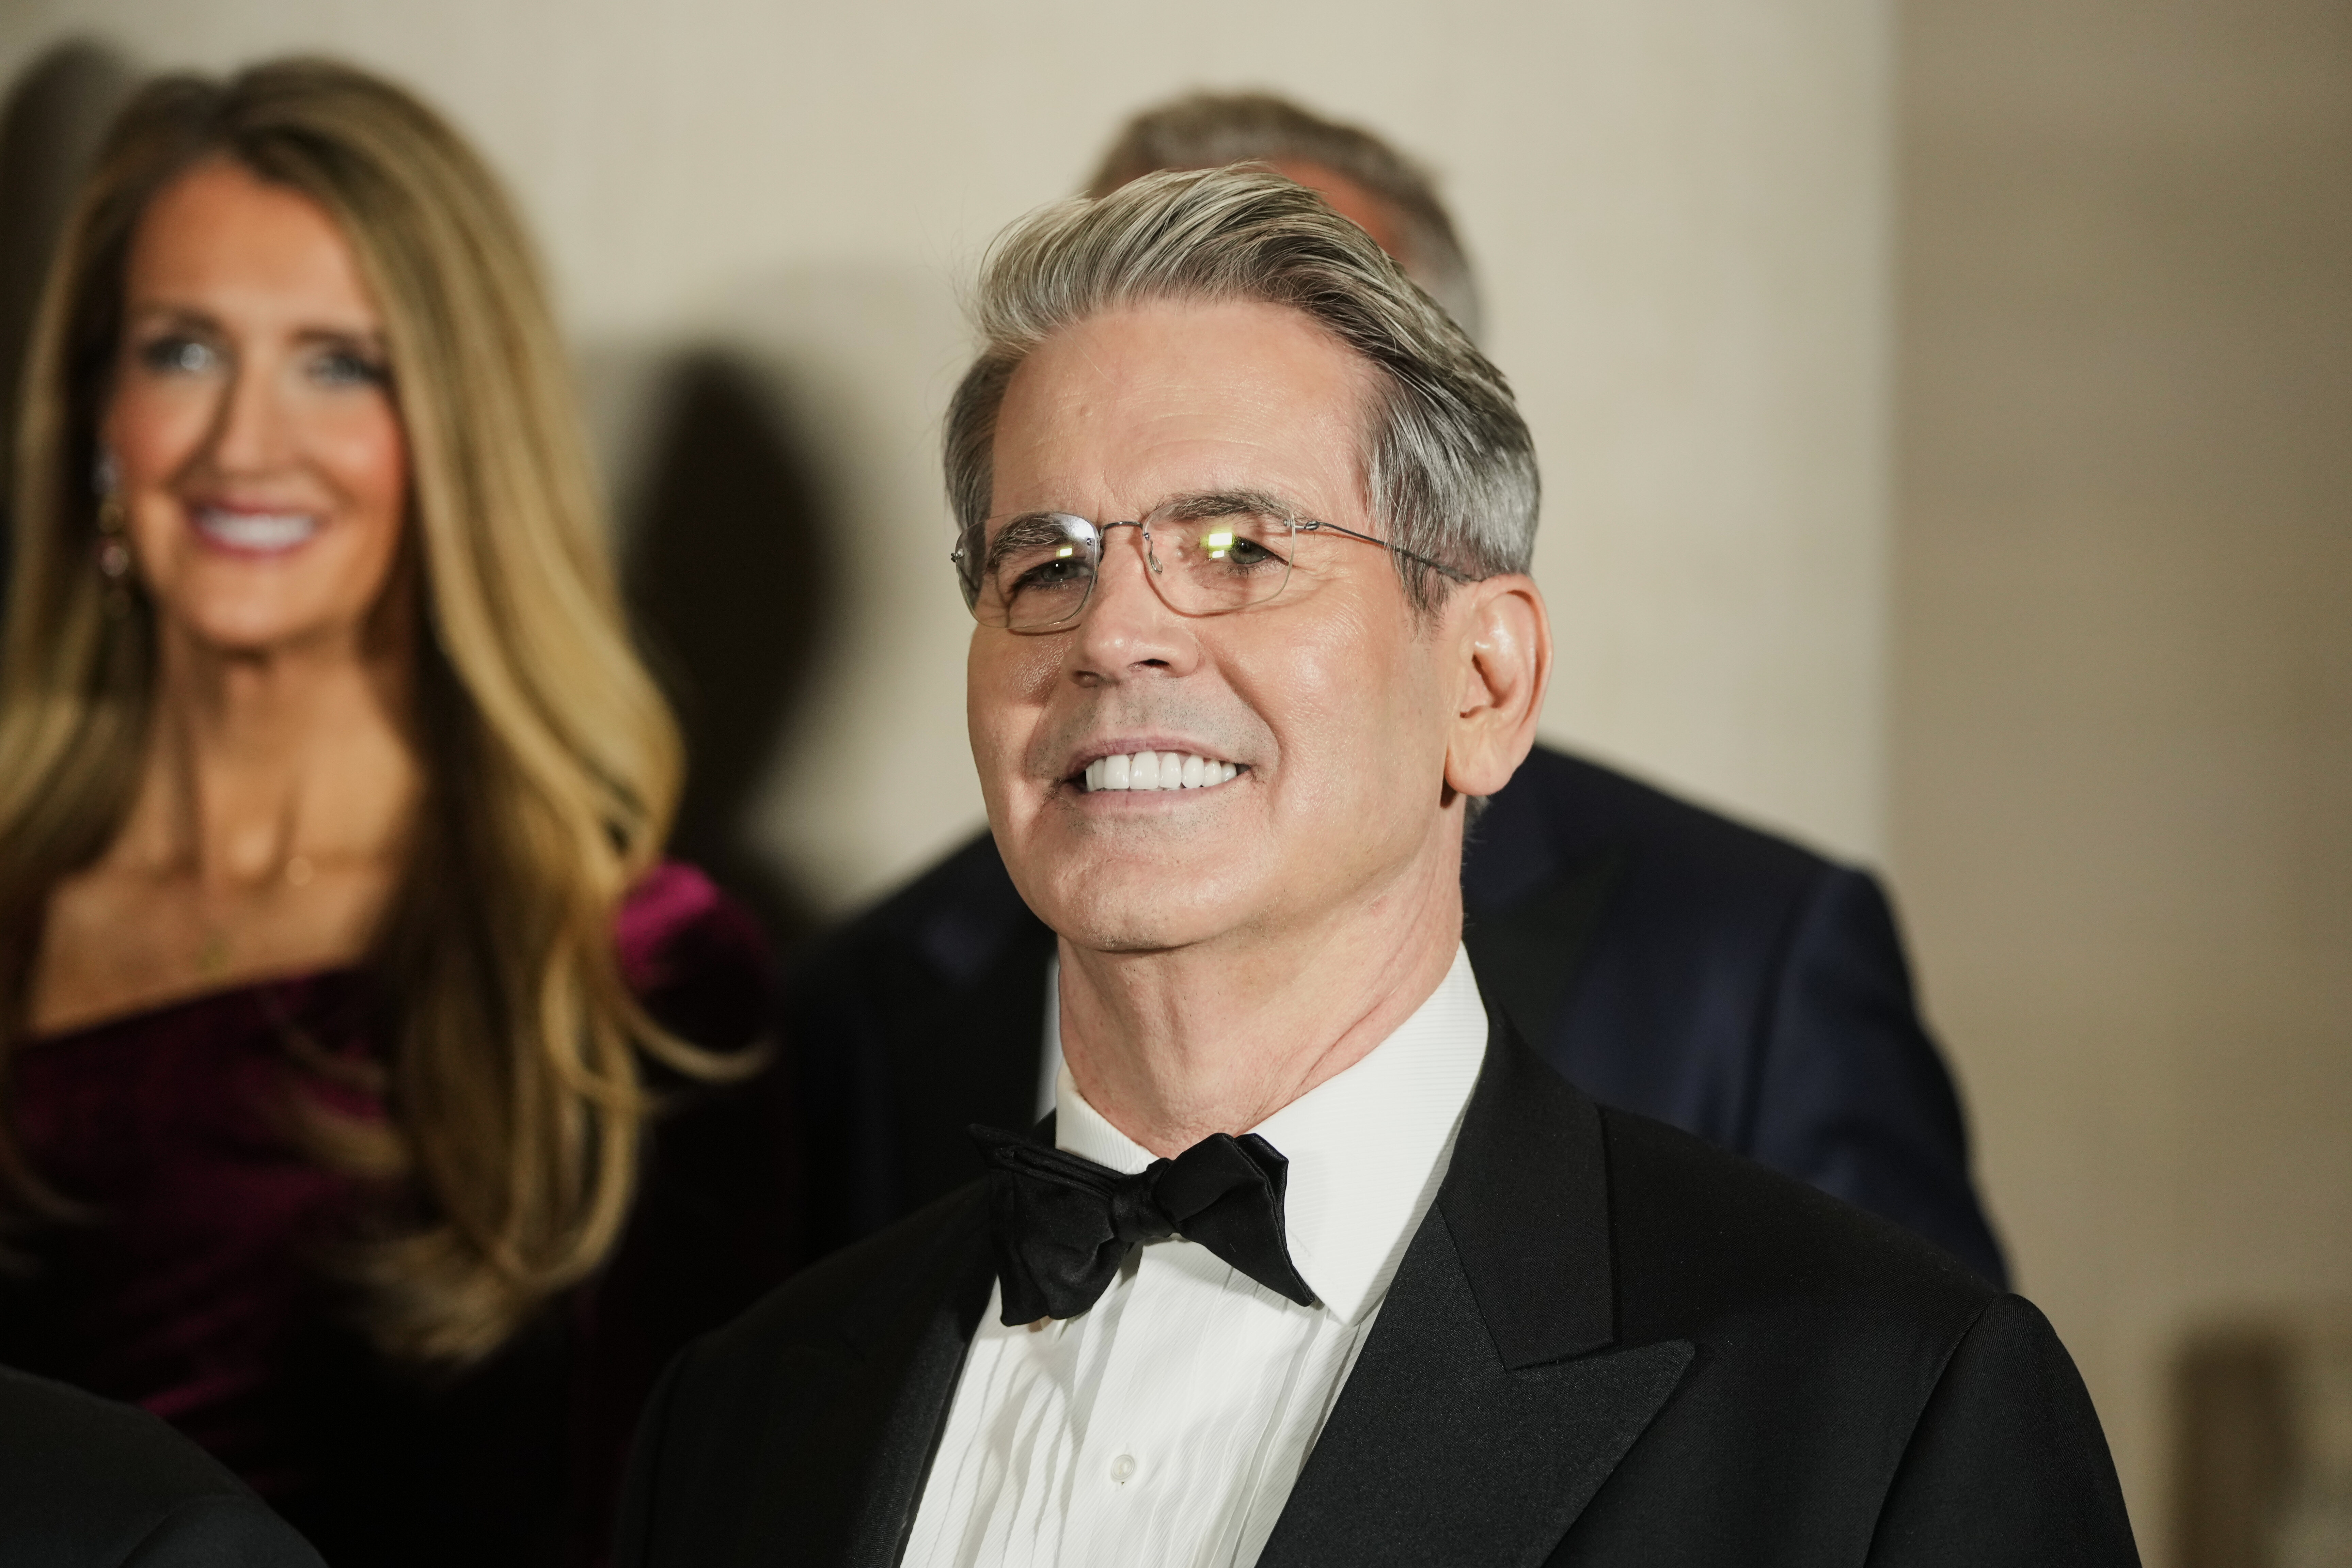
x: 255, y: 532
x: 1157, y: 771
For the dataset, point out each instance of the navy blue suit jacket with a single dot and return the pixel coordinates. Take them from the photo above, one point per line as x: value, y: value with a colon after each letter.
x: 1663, y: 958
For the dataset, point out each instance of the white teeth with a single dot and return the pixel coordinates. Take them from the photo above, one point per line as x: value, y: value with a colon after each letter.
x: 256, y: 530
x: 1157, y: 771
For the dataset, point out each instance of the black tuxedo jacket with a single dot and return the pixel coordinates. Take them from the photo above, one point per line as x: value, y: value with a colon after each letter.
x: 1608, y: 1343
x: 88, y: 1483
x: 1667, y: 959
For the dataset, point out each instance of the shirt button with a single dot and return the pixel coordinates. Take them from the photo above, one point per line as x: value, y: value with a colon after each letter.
x: 1122, y: 1470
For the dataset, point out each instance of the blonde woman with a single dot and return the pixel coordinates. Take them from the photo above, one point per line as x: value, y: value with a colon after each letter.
x: 339, y: 978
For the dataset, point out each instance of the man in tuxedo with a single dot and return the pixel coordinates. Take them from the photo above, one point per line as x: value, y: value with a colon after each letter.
x: 1315, y: 1262
x: 1664, y: 959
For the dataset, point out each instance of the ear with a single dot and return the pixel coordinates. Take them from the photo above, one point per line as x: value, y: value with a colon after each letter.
x: 1500, y: 640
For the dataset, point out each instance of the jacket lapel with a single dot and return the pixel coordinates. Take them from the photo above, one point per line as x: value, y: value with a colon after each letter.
x: 1491, y: 1400
x: 914, y: 1363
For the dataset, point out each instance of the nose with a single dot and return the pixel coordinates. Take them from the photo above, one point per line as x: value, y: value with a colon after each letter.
x: 252, y: 432
x: 1127, y: 629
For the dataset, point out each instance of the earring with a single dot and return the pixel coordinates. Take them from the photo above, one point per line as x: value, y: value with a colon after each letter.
x: 113, y: 535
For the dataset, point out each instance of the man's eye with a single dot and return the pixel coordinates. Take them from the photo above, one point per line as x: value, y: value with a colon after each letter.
x: 177, y: 355
x: 1236, y: 546
x: 1060, y: 571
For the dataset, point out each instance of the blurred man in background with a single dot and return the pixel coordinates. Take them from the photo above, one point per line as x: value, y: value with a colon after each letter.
x: 1364, y: 179
x: 1664, y: 959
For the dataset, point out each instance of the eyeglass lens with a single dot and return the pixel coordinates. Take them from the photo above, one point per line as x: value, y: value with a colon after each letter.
x: 1041, y: 568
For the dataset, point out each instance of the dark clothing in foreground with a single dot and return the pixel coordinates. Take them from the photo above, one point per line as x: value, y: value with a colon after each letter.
x: 1608, y: 1343
x: 88, y: 1483
x: 197, y: 1284
x: 1667, y: 960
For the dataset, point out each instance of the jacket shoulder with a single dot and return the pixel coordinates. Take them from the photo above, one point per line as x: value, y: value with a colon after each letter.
x: 84, y: 1479
x: 921, y: 1016
x: 1560, y: 810
x: 767, y: 1430
x: 833, y: 1310
x: 957, y: 920
x: 1709, y: 1244
x: 917, y: 1258
x: 1845, y: 1379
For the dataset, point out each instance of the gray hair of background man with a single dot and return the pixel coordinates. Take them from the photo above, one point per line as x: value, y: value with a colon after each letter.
x: 1211, y: 129
x: 1449, y: 464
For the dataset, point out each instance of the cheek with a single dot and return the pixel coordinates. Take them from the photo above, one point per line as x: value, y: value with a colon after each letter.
x: 1355, y: 702
x: 154, y: 433
x: 1009, y: 687
x: 154, y: 430
x: 996, y: 711
x: 364, y: 456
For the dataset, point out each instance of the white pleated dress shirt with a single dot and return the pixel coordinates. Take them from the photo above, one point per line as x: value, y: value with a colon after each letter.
x: 1165, y: 1427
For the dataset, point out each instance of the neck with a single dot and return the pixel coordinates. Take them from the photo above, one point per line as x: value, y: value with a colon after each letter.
x: 256, y: 761
x: 1172, y: 1046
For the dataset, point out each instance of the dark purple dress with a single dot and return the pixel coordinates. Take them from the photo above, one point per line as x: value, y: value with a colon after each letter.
x: 192, y: 1287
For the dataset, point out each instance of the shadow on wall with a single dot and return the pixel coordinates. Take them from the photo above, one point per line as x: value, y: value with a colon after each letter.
x: 729, y: 571
x: 50, y: 123
x: 775, y: 459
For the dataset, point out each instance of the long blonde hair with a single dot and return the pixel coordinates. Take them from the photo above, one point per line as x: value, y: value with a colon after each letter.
x: 555, y: 766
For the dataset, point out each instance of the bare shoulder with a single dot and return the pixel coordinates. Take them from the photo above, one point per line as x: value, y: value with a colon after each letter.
x: 112, y: 941
x: 117, y: 938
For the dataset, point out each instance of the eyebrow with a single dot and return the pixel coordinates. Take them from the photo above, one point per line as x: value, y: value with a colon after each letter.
x: 1196, y: 505
x: 160, y: 314
x: 1027, y: 528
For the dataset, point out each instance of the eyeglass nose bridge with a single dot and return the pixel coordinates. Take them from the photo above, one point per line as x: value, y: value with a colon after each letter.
x: 1102, y: 531
x: 1141, y: 525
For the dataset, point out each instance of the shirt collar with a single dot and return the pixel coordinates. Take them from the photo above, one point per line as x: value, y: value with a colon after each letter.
x: 1366, y: 1148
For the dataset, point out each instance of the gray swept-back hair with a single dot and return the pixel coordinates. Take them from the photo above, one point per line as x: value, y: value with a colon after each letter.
x: 1448, y: 461
x: 1211, y: 129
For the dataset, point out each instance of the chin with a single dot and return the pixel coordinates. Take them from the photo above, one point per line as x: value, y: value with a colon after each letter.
x: 254, y: 629
x: 1114, y: 907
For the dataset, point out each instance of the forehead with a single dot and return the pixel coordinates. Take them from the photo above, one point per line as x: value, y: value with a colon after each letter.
x: 1119, y: 411
x: 218, y: 235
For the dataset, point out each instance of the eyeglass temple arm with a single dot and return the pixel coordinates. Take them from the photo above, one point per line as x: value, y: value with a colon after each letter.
x: 1309, y: 526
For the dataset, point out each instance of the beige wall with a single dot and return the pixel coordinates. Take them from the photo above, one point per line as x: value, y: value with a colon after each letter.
x: 1680, y: 212
x: 2122, y: 737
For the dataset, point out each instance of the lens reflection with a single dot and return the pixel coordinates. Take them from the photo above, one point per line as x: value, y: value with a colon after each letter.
x: 1203, y: 558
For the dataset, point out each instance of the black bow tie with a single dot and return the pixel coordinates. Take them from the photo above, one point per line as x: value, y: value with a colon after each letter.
x: 1064, y: 1225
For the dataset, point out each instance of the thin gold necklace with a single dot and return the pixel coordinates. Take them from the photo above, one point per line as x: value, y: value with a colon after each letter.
x: 213, y: 956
